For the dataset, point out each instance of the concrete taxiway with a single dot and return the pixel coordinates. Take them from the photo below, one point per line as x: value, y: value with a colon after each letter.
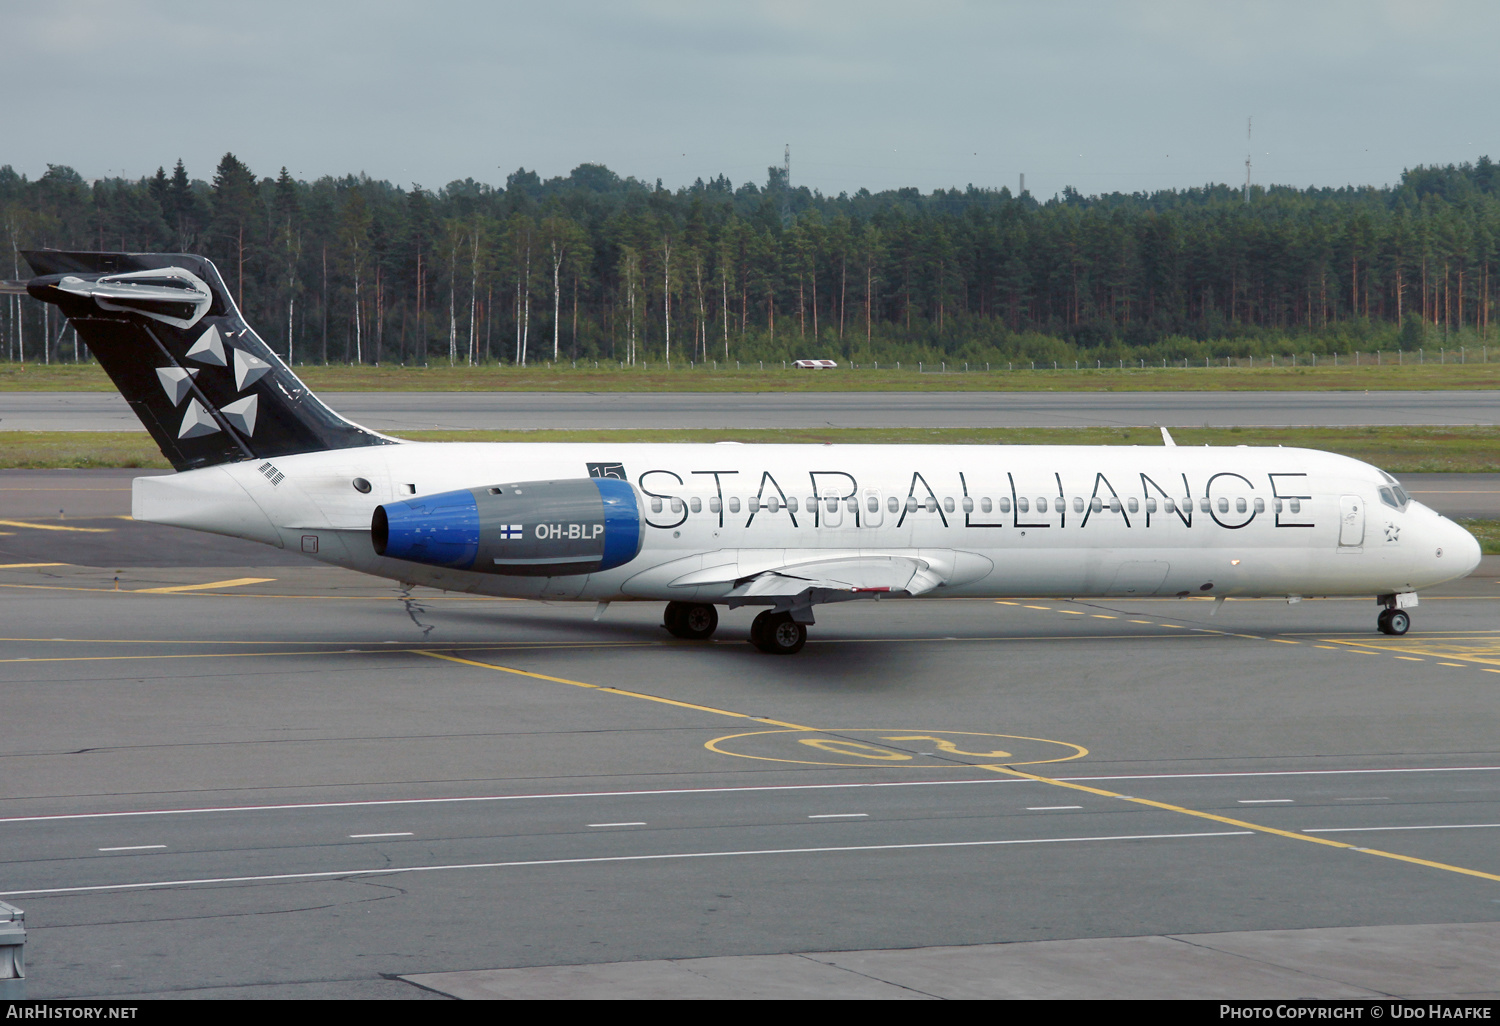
x: 229, y: 772
x: 521, y: 411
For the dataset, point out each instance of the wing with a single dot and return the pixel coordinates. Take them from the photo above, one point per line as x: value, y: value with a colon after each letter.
x: 759, y: 573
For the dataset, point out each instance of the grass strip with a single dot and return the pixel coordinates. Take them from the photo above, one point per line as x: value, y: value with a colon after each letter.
x: 1396, y: 449
x: 682, y: 378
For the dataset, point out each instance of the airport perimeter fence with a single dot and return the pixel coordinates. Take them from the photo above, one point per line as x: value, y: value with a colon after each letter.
x: 1354, y: 358
x: 1439, y: 356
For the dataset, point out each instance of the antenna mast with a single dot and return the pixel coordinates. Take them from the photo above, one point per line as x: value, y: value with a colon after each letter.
x: 786, y: 188
x: 1247, y: 160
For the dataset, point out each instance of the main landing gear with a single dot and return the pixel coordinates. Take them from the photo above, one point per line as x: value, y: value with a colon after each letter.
x: 772, y: 633
x: 777, y: 633
x: 1394, y: 621
x: 692, y: 621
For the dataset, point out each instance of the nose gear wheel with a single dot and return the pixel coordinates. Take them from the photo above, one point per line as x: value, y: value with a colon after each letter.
x: 1394, y: 621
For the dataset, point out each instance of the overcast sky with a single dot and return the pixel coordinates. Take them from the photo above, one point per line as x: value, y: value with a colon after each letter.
x: 1103, y: 96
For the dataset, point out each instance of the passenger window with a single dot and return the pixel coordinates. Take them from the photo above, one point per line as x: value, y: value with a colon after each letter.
x: 852, y: 505
x: 1041, y: 505
x: 773, y: 503
x: 1114, y: 504
x: 968, y: 504
x: 1278, y: 505
x: 1077, y: 504
x: 1223, y: 505
x: 714, y: 505
x: 1239, y: 505
x: 985, y: 506
x: 656, y: 503
x: 676, y: 504
x: 948, y: 503
x: 1296, y: 505
x: 1004, y: 504
x: 695, y: 504
x: 1169, y: 505
x: 831, y: 504
x: 734, y: 504
x: 1260, y: 505
x: 911, y: 504
x: 1132, y: 505
x: 1203, y: 506
x: 892, y: 504
x: 931, y: 503
x: 791, y: 504
x: 872, y: 504
x: 1022, y: 506
x: 1095, y: 505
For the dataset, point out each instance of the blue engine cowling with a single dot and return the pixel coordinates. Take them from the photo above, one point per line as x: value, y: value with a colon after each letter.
x: 530, y: 529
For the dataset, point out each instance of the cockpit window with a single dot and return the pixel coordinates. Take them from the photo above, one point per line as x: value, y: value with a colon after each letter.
x: 1395, y: 496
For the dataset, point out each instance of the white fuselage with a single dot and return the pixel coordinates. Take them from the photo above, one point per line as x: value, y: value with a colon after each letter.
x: 1134, y: 521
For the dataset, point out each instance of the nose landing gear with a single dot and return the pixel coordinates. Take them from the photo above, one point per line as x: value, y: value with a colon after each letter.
x: 1394, y: 621
x: 692, y: 621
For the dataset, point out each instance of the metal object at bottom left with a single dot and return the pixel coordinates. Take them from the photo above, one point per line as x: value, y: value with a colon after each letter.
x: 12, y: 952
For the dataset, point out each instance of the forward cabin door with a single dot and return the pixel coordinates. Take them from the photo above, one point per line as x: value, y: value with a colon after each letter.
x: 1351, y: 523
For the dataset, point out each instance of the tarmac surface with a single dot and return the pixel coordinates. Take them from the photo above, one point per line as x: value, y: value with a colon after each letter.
x: 229, y: 772
x: 411, y: 411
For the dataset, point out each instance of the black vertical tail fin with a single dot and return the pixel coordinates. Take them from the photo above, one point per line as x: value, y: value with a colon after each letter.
x: 166, y: 331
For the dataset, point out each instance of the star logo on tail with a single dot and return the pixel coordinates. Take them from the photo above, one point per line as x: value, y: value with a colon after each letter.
x: 179, y: 383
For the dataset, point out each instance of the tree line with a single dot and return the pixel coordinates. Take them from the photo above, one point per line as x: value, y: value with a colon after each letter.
x: 593, y: 266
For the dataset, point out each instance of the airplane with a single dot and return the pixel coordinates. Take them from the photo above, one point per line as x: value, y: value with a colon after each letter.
x: 783, y: 527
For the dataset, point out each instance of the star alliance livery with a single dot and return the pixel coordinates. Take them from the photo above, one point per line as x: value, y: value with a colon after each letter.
x: 783, y: 527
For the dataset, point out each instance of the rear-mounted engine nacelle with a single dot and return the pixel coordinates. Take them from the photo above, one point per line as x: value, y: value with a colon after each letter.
x: 530, y: 529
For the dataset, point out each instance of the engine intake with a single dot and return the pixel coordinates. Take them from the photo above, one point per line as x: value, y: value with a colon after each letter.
x: 529, y: 529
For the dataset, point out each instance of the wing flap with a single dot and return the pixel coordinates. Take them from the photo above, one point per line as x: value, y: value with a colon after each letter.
x: 857, y: 574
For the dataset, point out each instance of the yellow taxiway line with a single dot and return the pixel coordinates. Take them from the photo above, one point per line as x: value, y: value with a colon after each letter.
x: 55, y: 527
x: 1001, y: 769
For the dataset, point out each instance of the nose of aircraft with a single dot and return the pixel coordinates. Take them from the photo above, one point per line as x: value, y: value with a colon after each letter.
x: 1461, y: 547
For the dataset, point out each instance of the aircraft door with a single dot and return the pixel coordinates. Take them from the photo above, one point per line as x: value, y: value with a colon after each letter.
x: 1351, y: 522
x: 872, y: 511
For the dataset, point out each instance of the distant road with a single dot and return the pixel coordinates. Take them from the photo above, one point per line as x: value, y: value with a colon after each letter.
x: 412, y: 411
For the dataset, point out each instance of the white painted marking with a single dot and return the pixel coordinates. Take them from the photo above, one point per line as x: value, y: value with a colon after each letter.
x: 1436, y: 826
x: 391, y: 870
x: 1380, y: 799
x: 639, y: 823
x: 1264, y: 801
x: 135, y: 847
x: 1049, y: 808
x: 839, y: 815
x: 407, y: 833
x: 295, y: 806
